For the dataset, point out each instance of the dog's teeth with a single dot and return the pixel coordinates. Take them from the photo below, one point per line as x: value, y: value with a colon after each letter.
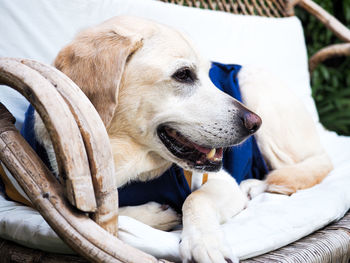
x: 211, y: 153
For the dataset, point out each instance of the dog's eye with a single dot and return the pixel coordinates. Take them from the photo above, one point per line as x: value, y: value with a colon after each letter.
x: 184, y: 75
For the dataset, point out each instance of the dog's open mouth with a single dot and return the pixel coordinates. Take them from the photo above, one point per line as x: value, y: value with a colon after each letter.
x: 196, y: 156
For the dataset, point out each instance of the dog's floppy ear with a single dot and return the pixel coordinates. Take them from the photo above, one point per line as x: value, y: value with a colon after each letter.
x: 95, y: 61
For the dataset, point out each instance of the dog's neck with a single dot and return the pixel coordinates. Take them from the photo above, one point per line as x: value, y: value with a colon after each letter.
x: 133, y: 162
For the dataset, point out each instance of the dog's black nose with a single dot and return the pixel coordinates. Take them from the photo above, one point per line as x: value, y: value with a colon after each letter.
x: 251, y: 121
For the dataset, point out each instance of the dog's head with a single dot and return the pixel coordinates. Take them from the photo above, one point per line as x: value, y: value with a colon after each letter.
x: 149, y: 84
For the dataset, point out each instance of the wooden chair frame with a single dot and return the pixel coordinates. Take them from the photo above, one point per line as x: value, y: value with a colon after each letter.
x: 90, y: 184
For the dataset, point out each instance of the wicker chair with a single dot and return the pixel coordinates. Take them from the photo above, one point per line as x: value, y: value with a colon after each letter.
x: 331, y: 244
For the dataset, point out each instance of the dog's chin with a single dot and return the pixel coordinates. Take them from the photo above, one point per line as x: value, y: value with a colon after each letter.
x: 188, y: 154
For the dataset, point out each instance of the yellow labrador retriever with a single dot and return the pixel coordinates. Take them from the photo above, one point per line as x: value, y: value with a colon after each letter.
x: 152, y: 91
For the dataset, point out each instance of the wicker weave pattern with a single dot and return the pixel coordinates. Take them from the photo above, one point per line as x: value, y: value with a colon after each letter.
x: 269, y: 8
x: 330, y: 244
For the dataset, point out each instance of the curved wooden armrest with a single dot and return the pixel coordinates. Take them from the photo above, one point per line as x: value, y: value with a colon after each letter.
x: 50, y: 91
x: 96, y: 143
x: 74, y: 227
x: 325, y: 53
x: 44, y: 97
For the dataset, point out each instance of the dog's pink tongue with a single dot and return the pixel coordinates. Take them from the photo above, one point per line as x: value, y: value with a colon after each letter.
x: 201, y: 149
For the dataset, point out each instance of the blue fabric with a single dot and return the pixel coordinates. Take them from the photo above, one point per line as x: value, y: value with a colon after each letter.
x: 170, y: 188
x: 27, y: 132
x: 242, y: 162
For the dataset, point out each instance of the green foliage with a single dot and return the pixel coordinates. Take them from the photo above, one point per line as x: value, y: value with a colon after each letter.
x: 331, y: 80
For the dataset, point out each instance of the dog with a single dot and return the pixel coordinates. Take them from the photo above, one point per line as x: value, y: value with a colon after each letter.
x: 151, y: 89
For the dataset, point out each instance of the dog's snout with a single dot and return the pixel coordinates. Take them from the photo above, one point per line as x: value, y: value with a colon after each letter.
x: 251, y: 121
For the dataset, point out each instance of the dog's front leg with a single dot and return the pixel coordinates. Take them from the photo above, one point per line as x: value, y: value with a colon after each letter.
x: 203, y: 211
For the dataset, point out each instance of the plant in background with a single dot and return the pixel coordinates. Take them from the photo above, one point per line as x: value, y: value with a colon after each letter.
x: 331, y: 80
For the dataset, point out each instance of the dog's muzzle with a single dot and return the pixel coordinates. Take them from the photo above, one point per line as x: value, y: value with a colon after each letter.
x: 208, y: 155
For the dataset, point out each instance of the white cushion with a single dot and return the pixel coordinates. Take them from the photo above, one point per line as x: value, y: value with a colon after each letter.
x: 38, y: 29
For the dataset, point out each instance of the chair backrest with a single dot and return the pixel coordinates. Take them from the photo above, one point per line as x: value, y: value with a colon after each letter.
x: 269, y: 8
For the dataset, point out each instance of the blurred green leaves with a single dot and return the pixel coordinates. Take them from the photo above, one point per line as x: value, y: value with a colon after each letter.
x: 331, y: 80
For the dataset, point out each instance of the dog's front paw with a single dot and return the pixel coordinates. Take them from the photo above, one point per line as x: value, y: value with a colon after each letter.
x: 206, y: 248
x: 253, y: 187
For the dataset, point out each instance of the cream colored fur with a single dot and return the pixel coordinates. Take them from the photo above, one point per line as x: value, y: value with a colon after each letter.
x: 288, y: 138
x: 138, y: 94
